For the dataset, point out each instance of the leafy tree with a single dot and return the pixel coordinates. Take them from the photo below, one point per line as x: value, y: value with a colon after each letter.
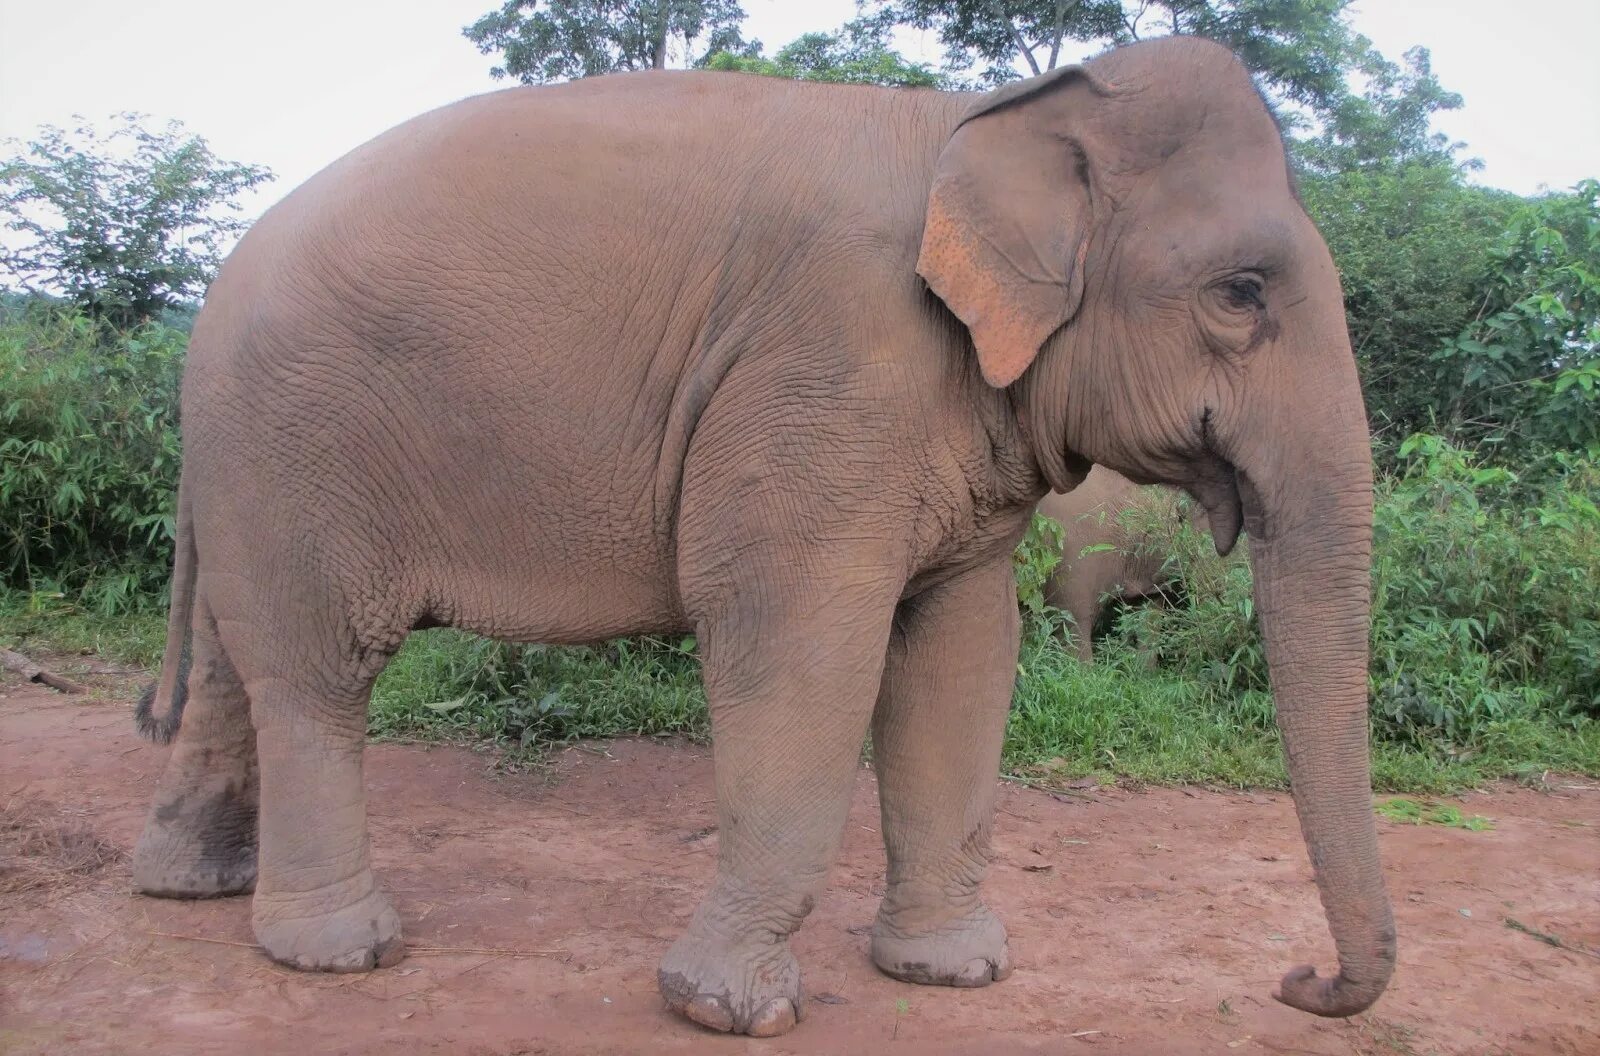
x: 994, y: 34
x: 1413, y: 243
x: 1389, y: 123
x: 1523, y: 378
x: 858, y: 53
x: 126, y: 225
x: 564, y: 39
x: 1474, y: 314
x: 1302, y: 48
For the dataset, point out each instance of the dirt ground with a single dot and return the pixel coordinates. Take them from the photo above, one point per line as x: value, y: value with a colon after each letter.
x: 536, y: 906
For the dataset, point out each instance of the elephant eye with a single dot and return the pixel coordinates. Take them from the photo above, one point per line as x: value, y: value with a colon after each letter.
x: 1244, y: 291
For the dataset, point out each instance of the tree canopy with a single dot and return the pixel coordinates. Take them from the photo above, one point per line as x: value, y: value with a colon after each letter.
x: 1301, y: 48
x: 857, y: 53
x: 125, y: 224
x: 553, y: 40
x: 1388, y: 123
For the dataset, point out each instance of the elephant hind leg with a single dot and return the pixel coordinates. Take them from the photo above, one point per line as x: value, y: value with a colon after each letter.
x: 288, y: 630
x: 317, y: 904
x: 199, y: 840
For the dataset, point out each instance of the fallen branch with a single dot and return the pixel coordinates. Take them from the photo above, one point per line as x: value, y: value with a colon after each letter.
x: 1548, y: 939
x: 202, y: 938
x: 34, y: 673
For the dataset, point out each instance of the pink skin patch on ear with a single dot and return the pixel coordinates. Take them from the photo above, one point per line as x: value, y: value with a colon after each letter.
x: 1008, y: 316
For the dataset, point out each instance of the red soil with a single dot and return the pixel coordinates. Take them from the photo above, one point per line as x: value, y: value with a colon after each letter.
x: 1141, y: 922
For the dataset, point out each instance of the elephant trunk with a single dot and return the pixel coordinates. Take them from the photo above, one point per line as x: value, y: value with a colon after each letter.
x: 1311, y: 553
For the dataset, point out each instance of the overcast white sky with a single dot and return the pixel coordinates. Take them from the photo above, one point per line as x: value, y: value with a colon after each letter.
x: 293, y: 84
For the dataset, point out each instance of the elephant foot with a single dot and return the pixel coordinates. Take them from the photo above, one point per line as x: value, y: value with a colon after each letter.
x: 197, y: 847
x: 968, y: 950
x: 358, y: 937
x: 747, y: 987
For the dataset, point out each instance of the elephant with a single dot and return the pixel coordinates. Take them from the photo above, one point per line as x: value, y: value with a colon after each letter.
x: 788, y: 366
x: 1089, y: 517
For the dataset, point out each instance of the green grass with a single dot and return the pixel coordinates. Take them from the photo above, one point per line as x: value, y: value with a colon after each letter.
x: 1112, y: 720
x: 1410, y: 812
x: 47, y: 623
x: 1116, y: 719
x: 451, y: 685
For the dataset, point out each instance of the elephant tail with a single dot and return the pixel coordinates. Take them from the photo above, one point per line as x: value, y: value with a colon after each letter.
x: 169, y: 692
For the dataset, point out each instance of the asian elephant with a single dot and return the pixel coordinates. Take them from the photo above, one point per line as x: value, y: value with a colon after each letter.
x: 1090, y: 516
x: 787, y: 365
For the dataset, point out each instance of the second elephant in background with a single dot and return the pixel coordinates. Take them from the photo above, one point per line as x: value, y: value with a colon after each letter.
x: 1090, y: 516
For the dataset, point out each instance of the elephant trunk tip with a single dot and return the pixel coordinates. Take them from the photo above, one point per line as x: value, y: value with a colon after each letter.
x: 1337, y: 997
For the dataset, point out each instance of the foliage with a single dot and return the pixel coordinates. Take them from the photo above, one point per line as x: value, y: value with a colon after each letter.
x: 856, y: 54
x: 1389, y: 124
x: 1474, y: 314
x: 88, y: 456
x: 1482, y: 620
x: 1118, y: 719
x: 1036, y: 559
x: 994, y: 35
x: 127, y: 224
x: 1302, y: 48
x: 1413, y: 243
x: 47, y: 621
x: 1524, y: 376
x: 1483, y: 599
x: 1115, y: 718
x: 566, y: 39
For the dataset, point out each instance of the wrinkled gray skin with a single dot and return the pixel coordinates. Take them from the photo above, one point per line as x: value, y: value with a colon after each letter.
x: 788, y: 365
x: 1089, y: 515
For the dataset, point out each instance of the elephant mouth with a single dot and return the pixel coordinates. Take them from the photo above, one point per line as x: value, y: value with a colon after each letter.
x: 1216, y: 488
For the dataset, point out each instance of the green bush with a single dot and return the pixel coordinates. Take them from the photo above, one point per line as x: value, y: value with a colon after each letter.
x: 1523, y: 377
x: 1484, y: 599
x: 89, y: 456
x: 1483, y: 612
x: 1473, y: 313
x: 1413, y: 243
x: 1036, y: 558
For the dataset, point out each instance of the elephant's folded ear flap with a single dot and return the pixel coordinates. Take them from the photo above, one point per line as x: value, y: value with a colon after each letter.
x: 1007, y: 227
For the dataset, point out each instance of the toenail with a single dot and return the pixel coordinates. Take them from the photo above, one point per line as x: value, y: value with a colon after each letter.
x: 776, y: 1017
x: 709, y: 1012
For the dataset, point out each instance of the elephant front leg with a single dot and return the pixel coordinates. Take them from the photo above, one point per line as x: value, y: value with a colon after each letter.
x: 790, y: 673
x: 936, y: 739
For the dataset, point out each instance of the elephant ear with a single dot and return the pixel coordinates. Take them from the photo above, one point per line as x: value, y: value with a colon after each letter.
x: 1007, y: 226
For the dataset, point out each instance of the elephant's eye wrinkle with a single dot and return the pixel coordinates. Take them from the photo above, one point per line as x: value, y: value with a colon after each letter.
x: 1245, y: 291
x: 1233, y: 310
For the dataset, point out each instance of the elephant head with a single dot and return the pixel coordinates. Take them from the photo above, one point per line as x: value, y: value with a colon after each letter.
x: 1125, y: 245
